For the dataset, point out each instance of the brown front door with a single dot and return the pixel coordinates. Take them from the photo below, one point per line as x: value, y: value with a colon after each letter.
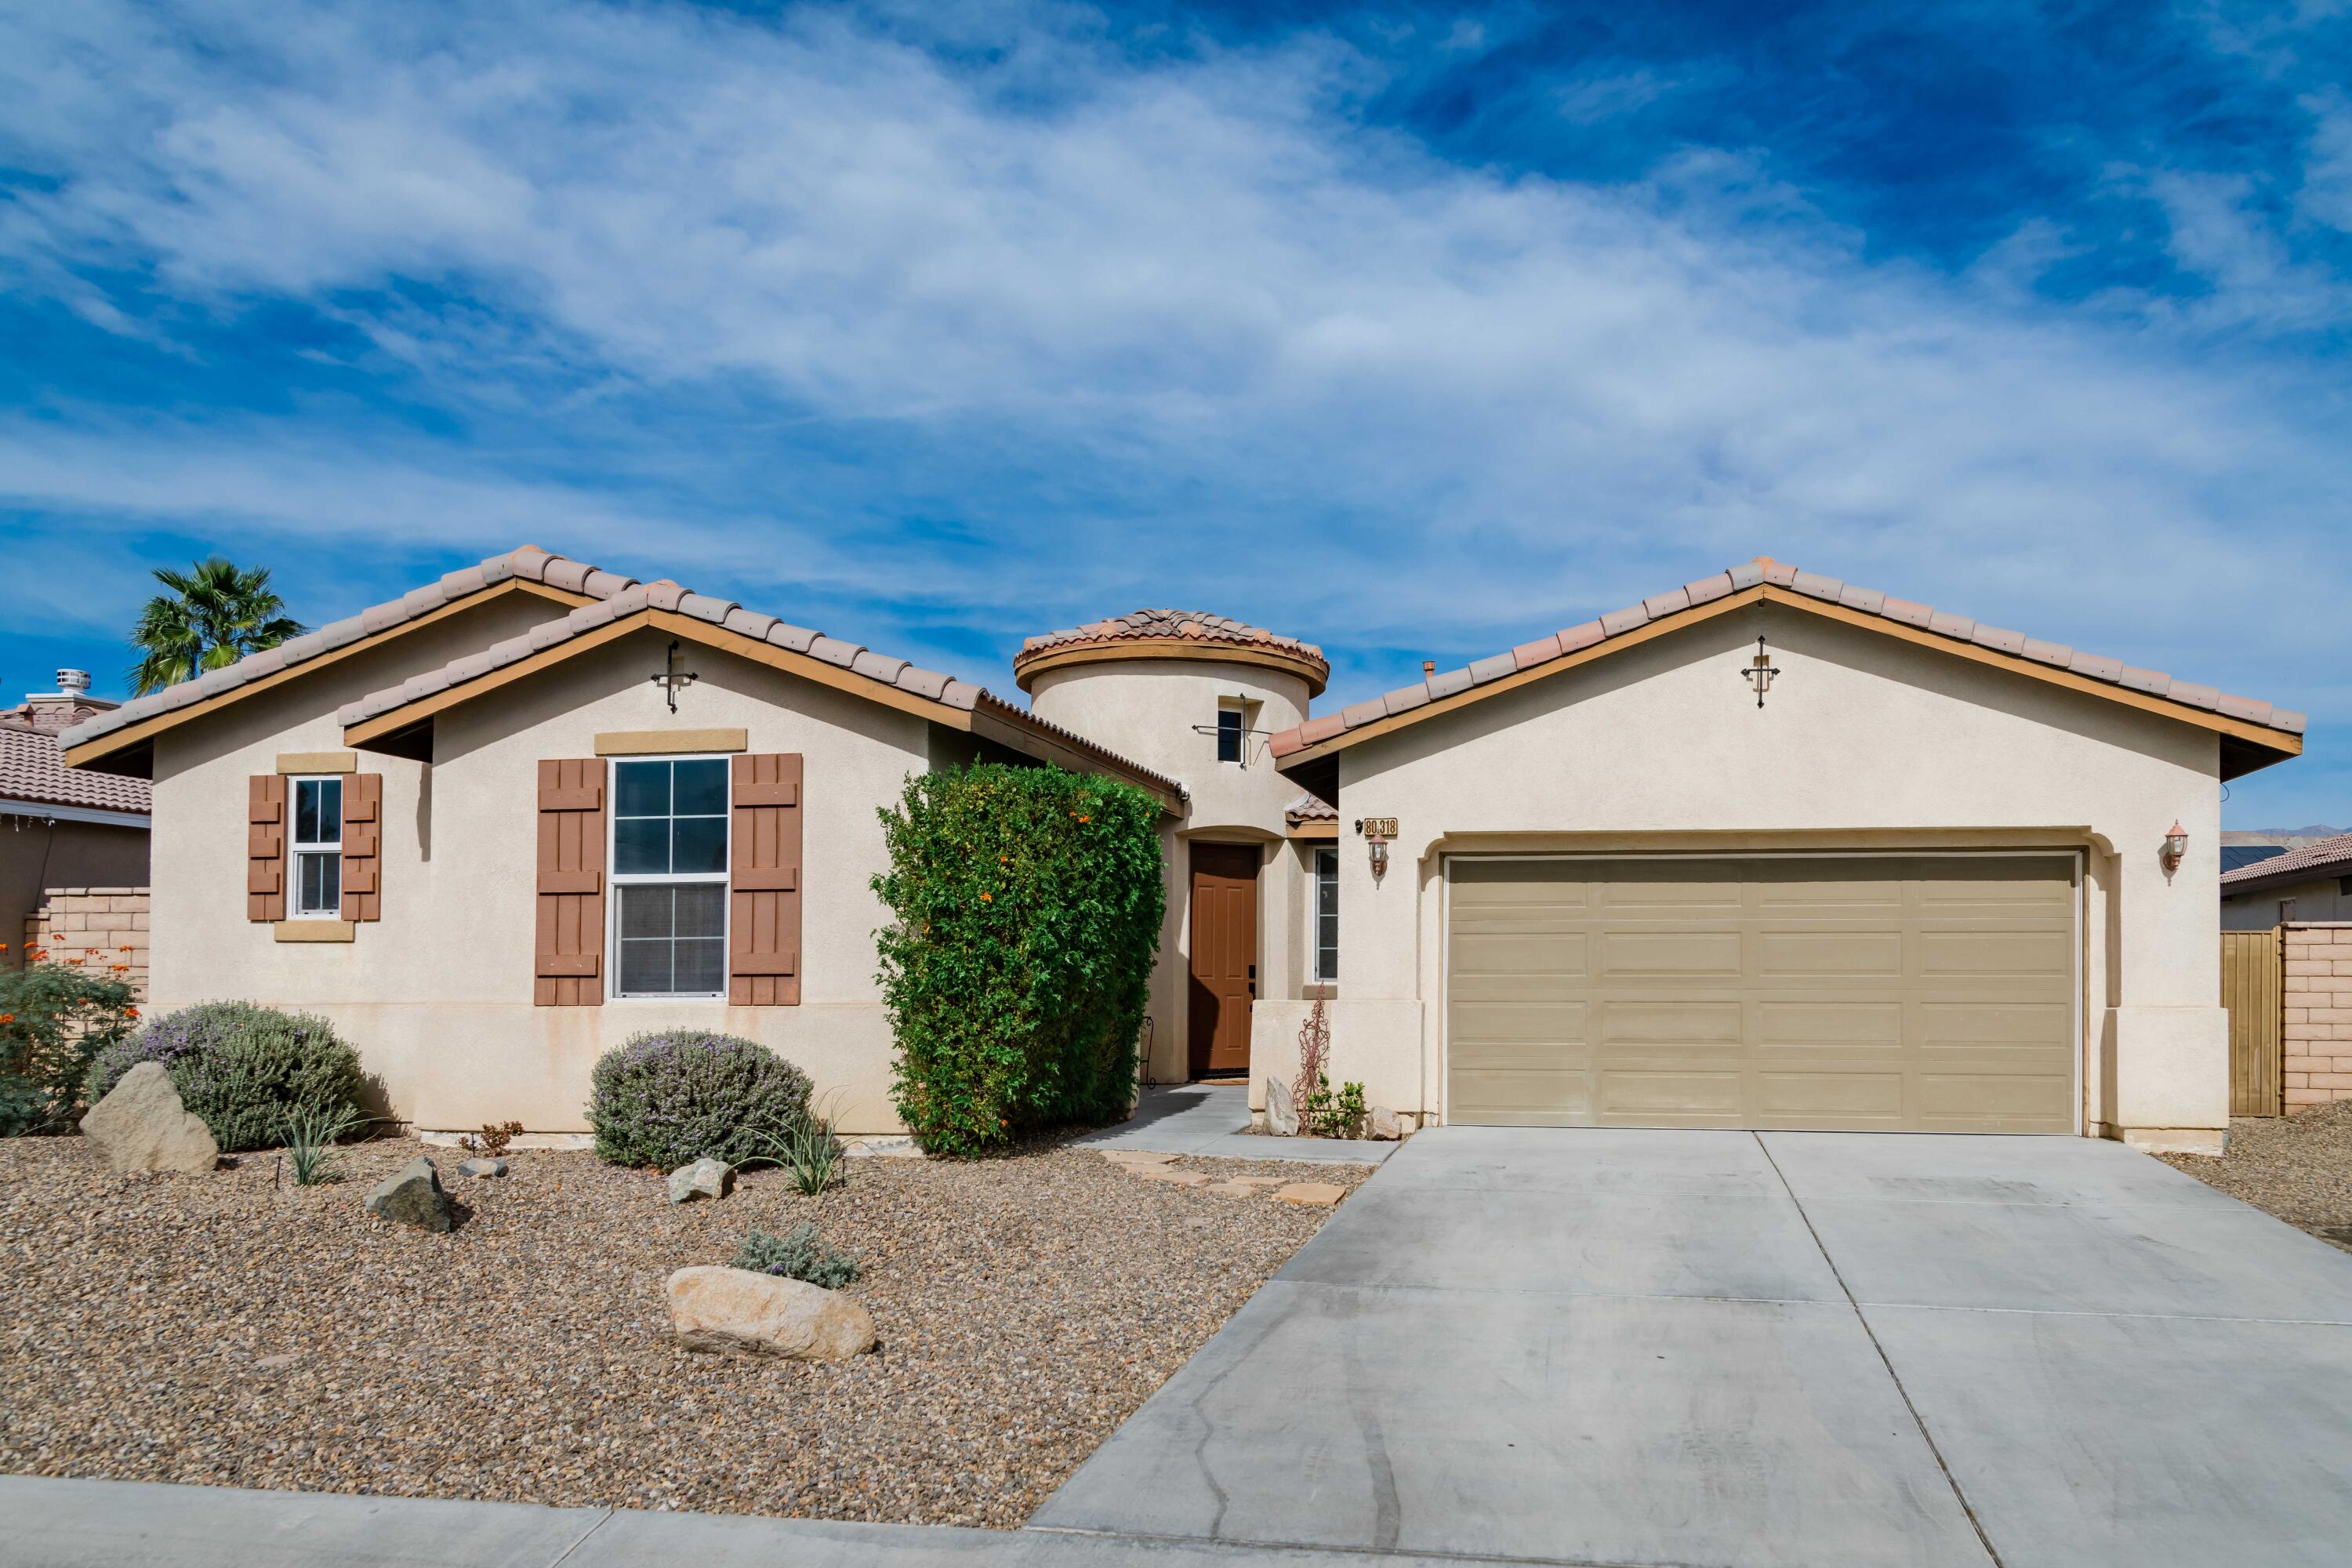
x: 1224, y: 955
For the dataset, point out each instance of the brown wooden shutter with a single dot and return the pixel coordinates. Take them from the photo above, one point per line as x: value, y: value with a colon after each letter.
x: 265, y: 847
x: 569, y: 968
x: 362, y: 845
x: 764, y: 917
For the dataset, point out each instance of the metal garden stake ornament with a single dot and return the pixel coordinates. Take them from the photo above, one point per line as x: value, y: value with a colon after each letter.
x: 1759, y: 672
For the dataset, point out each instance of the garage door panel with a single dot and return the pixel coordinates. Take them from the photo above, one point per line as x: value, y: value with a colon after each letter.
x: 1808, y: 954
x: 1894, y: 992
x: 1803, y: 1024
x: 1626, y: 953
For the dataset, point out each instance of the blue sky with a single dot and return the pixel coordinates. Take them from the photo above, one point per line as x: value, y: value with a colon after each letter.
x: 1415, y: 330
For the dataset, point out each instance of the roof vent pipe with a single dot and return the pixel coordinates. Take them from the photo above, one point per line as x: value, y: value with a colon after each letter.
x: 73, y: 682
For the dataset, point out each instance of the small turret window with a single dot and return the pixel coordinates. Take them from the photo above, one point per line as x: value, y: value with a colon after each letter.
x: 1229, y: 734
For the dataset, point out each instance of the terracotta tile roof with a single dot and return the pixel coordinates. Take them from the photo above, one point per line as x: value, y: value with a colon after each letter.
x: 1762, y: 571
x: 620, y: 597
x: 1311, y: 808
x: 31, y: 770
x: 1169, y: 626
x: 2320, y: 857
x: 53, y: 718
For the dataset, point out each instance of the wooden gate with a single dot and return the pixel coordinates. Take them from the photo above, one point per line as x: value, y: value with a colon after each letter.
x: 2253, y: 989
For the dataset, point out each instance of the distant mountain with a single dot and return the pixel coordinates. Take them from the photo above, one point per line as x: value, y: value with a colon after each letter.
x: 2283, y: 838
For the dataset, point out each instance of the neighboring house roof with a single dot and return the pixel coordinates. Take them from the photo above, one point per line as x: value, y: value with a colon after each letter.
x: 2234, y: 856
x: 33, y: 771
x: 2323, y: 857
x: 1178, y: 634
x: 718, y: 622
x: 529, y: 569
x: 2264, y: 734
x: 53, y: 718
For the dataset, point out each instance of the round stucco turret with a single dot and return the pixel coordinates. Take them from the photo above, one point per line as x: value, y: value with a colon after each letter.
x: 1149, y: 685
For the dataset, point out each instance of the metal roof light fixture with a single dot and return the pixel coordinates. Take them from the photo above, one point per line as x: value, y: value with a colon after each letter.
x: 2176, y: 848
x: 672, y: 677
x: 1759, y: 672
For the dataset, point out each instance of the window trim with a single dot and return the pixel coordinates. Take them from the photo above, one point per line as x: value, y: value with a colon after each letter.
x: 1315, y: 919
x: 615, y: 880
x: 297, y: 848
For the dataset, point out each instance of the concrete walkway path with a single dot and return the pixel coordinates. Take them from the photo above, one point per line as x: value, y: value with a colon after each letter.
x: 1213, y: 1118
x: 1781, y: 1350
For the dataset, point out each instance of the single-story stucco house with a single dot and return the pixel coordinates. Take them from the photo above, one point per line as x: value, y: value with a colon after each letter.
x: 2310, y: 882
x: 1765, y: 850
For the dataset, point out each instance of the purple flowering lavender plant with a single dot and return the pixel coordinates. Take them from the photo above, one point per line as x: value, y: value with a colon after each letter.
x: 243, y: 1069
x: 670, y: 1097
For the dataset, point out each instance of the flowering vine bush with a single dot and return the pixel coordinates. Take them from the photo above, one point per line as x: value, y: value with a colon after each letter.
x: 670, y: 1097
x: 1027, y: 904
x: 53, y: 1020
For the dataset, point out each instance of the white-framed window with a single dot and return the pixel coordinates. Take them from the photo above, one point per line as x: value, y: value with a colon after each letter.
x: 669, y: 877
x: 316, y: 847
x: 1232, y: 732
x: 1327, y: 916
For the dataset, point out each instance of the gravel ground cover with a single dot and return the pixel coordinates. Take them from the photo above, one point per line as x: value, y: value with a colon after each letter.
x: 2296, y: 1167
x: 223, y: 1331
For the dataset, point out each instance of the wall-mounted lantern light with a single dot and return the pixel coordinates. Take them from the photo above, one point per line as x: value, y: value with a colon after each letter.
x: 1377, y: 831
x: 2175, y: 846
x: 672, y: 677
x: 1759, y: 672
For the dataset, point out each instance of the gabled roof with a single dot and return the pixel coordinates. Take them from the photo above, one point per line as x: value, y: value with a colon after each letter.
x: 32, y: 771
x: 382, y: 717
x: 2320, y: 857
x: 2255, y: 734
x: 1170, y: 633
x: 527, y: 570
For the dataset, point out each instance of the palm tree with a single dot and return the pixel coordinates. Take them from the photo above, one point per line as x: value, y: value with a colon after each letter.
x: 215, y: 614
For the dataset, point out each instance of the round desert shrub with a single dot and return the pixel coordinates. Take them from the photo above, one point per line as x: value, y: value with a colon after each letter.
x: 241, y: 1067
x: 670, y: 1097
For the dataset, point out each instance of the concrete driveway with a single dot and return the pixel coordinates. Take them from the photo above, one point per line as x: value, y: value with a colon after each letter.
x: 1803, y: 1349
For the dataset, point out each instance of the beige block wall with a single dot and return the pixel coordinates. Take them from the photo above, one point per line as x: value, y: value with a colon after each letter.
x: 1865, y: 742
x: 100, y: 930
x: 2318, y: 1027
x: 437, y: 994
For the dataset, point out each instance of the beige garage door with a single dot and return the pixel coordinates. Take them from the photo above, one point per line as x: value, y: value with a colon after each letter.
x: 1930, y: 993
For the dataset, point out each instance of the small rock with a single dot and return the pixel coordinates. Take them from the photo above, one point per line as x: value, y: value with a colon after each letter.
x: 718, y: 1308
x: 276, y: 1362
x: 1381, y: 1123
x: 1281, y: 1116
x: 141, y: 1125
x: 413, y: 1195
x: 483, y: 1168
x: 1321, y: 1195
x: 706, y: 1178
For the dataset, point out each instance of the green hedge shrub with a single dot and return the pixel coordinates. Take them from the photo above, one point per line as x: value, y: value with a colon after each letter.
x: 246, y: 1071
x: 667, y: 1098
x: 53, y: 1020
x: 1028, y: 903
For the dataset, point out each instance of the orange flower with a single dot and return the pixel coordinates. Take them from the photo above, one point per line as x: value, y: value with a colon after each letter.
x: 125, y: 948
x: 3, y: 947
x: 8, y: 1017
x: 131, y: 1011
x: 988, y: 898
x: 118, y: 968
x: 73, y: 961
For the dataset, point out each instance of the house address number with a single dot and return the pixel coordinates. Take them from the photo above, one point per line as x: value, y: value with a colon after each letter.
x: 1377, y: 826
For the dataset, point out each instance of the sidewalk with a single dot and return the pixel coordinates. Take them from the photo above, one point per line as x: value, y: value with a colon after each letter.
x: 51, y: 1523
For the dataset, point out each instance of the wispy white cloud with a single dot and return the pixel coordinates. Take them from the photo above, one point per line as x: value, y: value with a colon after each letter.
x: 1185, y: 330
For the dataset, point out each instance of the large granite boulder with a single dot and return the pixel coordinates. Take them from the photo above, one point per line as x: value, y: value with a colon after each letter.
x: 715, y: 1309
x: 1281, y: 1115
x: 141, y: 1125
x: 413, y: 1195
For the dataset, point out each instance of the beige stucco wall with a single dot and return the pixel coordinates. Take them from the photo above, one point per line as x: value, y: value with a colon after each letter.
x: 2318, y: 899
x: 1147, y: 710
x: 39, y: 854
x: 1865, y: 741
x: 437, y: 994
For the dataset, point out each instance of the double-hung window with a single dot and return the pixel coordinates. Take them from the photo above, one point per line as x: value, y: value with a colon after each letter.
x: 669, y: 877
x: 1327, y: 916
x: 316, y: 847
